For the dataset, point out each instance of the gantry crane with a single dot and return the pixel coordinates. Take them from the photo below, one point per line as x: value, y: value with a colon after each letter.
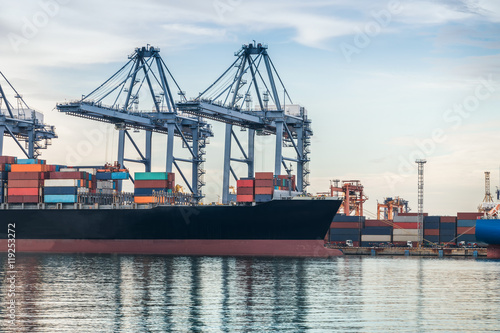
x: 387, y: 210
x: 248, y: 95
x: 118, y: 101
x: 352, y: 192
x: 22, y: 123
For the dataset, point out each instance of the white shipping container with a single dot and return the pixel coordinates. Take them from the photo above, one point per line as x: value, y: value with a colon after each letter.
x: 405, y: 238
x: 105, y: 184
x: 410, y: 232
x: 60, y: 182
x: 376, y: 238
x: 68, y: 170
x: 410, y: 219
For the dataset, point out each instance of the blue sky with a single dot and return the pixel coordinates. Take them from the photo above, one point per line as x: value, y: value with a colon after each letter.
x: 383, y: 82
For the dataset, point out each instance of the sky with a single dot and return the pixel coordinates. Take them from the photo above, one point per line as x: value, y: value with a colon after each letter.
x: 384, y: 82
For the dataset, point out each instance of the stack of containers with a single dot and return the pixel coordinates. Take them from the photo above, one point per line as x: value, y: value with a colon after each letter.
x: 264, y: 186
x: 25, y: 180
x: 245, y: 190
x: 431, y: 229
x: 5, y: 162
x: 281, y: 182
x: 64, y: 186
x: 447, y: 229
x: 376, y: 231
x: 107, y: 180
x: 466, y: 226
x: 345, y: 228
x: 147, y: 182
x: 405, y: 228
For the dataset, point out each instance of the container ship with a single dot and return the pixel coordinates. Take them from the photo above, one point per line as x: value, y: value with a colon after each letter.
x: 58, y: 209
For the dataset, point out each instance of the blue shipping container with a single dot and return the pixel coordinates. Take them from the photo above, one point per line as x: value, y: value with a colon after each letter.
x: 431, y: 225
x: 343, y: 238
x: 60, y: 198
x: 447, y: 239
x: 376, y: 231
x: 448, y: 226
x: 4, y: 175
x: 1, y: 191
x: 431, y: 219
x: 344, y: 231
x: 263, y: 197
x: 466, y: 223
x: 103, y: 176
x: 467, y: 238
x: 27, y: 161
x: 432, y: 238
x: 119, y: 175
x: 344, y: 218
x: 61, y: 190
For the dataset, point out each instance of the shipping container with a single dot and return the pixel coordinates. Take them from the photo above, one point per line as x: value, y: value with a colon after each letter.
x: 26, y: 175
x: 244, y: 198
x: 264, y: 183
x: 68, y: 175
x: 264, y: 190
x: 432, y: 238
x: 28, y: 191
x: 245, y: 183
x: 411, y: 214
x: 244, y: 191
x: 447, y: 238
x: 5, y: 167
x: 405, y: 238
x: 344, y: 218
x: 399, y: 232
x: 431, y: 232
x: 345, y: 225
x: 376, y: 238
x: 466, y: 223
x: 62, y: 190
x: 406, y: 225
x: 469, y: 216
x: 143, y: 200
x: 119, y: 175
x: 23, y: 199
x: 4, y: 175
x: 151, y: 176
x: 447, y: 226
x: 2, y: 185
x: 61, y: 182
x: 466, y: 238
x: 25, y: 183
x: 431, y: 225
x: 377, y: 223
x: 407, y: 219
x: 376, y: 231
x: 448, y: 219
x: 8, y: 160
x: 432, y: 219
x: 342, y: 231
x: 264, y: 175
x: 30, y: 161
x: 263, y: 197
x: 60, y: 198
x: 466, y: 230
x: 343, y: 237
x: 28, y: 168
x: 150, y: 183
x: 103, y: 176
x: 147, y: 192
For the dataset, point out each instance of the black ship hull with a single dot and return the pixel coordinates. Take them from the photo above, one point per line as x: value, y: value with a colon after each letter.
x: 275, y: 228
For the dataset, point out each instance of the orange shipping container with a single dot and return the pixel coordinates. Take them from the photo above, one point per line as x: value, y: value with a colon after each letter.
x: 143, y: 200
x: 264, y: 190
x: 28, y: 168
x: 264, y: 175
x: 23, y: 191
x: 431, y: 232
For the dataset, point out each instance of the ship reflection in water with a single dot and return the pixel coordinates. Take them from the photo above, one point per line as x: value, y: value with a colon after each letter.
x: 93, y: 293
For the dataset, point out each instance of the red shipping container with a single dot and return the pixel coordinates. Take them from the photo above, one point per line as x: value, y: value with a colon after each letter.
x: 151, y: 184
x: 24, y: 183
x: 244, y: 198
x: 25, y: 175
x: 23, y: 199
x: 377, y: 223
x: 245, y: 183
x: 405, y: 225
x: 264, y: 183
x: 468, y: 216
x: 244, y: 191
x: 264, y: 190
x: 8, y: 160
x: 466, y: 230
x: 23, y: 191
x: 264, y: 176
x: 68, y: 175
x: 171, y: 177
x: 345, y: 225
x: 448, y: 219
x: 431, y: 232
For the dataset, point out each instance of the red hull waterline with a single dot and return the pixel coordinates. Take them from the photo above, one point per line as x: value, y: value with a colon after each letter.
x: 493, y: 252
x: 191, y: 247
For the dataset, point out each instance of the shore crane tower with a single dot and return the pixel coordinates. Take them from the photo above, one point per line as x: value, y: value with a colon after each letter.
x: 22, y: 123
x: 420, y: 223
x: 139, y: 96
x: 251, y: 94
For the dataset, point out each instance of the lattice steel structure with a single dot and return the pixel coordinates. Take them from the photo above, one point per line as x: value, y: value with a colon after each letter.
x: 420, y: 220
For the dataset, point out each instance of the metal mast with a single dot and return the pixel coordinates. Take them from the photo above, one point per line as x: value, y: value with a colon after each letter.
x: 420, y: 219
